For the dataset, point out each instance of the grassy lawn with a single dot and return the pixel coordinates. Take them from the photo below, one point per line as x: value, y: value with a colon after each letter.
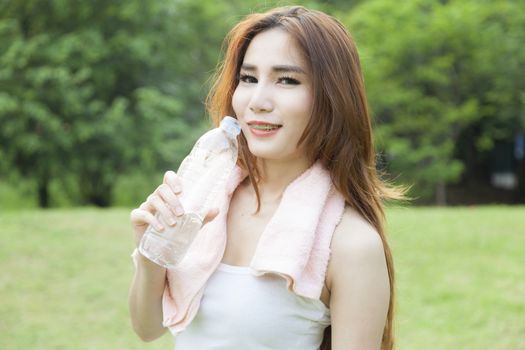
x: 64, y: 278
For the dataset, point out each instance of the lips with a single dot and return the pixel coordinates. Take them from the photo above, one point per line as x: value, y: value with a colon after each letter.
x: 260, y: 128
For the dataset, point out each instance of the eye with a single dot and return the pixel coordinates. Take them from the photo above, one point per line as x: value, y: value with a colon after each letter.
x: 246, y: 78
x: 288, y: 81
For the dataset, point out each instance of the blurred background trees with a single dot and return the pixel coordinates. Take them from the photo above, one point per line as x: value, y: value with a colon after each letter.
x: 446, y: 82
x: 98, y: 99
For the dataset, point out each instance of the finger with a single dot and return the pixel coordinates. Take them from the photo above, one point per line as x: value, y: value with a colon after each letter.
x: 163, y: 209
x: 141, y: 217
x: 210, y: 215
x: 148, y: 207
x: 173, y: 181
x: 166, y: 193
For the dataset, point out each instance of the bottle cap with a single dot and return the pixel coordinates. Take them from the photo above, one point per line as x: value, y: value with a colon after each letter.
x: 230, y: 125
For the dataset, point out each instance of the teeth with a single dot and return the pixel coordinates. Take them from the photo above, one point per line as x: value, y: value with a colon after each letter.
x: 264, y: 127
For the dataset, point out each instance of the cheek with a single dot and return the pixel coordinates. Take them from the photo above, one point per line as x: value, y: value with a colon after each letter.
x: 301, y: 107
x: 237, y: 101
x: 306, y: 100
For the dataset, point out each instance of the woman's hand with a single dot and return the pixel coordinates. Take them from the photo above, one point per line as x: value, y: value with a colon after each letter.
x: 164, y: 200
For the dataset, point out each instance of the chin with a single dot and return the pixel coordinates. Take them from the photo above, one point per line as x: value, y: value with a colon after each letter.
x: 265, y: 152
x: 271, y: 154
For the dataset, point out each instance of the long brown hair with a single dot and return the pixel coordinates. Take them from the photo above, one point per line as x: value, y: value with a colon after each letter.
x: 340, y: 135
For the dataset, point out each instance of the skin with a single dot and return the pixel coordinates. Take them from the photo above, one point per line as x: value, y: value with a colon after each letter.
x: 276, y: 88
x: 149, y: 280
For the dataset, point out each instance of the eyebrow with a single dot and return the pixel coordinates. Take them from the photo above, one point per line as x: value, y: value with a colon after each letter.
x: 278, y: 68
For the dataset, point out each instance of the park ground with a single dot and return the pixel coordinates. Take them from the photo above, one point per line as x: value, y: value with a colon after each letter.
x: 65, y: 274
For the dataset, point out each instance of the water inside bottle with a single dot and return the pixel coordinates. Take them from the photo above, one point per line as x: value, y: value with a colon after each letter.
x: 168, y: 248
x: 203, y: 173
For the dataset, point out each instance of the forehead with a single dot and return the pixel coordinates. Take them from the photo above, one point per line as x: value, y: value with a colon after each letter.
x: 274, y: 47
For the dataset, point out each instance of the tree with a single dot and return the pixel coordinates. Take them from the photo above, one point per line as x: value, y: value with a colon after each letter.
x: 432, y: 70
x: 76, y: 79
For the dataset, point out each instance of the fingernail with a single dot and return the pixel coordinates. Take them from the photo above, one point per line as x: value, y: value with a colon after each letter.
x: 179, y: 211
x: 159, y: 227
x: 171, y: 221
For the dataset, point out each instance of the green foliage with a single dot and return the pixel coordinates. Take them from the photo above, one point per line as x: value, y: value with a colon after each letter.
x: 78, y: 85
x: 433, y: 69
x: 94, y: 91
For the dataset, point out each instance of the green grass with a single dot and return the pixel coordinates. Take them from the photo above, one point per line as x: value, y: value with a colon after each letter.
x: 65, y: 274
x: 64, y: 279
x: 460, y: 277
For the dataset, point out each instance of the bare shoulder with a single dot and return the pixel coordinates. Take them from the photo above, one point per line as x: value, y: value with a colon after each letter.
x: 355, y: 243
x: 358, y: 281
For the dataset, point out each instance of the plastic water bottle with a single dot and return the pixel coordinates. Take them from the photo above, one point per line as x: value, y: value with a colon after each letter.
x: 203, y: 174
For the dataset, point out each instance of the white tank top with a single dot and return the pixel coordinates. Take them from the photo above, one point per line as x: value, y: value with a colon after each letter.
x: 240, y: 311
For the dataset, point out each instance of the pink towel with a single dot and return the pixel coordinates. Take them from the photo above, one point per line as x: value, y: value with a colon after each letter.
x: 295, y: 245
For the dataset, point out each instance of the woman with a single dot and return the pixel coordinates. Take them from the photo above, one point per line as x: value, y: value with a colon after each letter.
x: 293, y: 80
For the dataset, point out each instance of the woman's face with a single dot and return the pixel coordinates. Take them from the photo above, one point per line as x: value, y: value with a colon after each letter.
x: 273, y: 100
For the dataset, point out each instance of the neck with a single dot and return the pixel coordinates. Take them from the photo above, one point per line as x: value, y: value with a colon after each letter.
x: 276, y: 175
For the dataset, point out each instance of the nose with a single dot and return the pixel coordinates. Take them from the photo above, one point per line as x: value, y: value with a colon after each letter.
x: 261, y: 100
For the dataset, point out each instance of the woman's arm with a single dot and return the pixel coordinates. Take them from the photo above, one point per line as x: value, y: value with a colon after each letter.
x: 145, y: 299
x: 358, y: 280
x: 149, y: 281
